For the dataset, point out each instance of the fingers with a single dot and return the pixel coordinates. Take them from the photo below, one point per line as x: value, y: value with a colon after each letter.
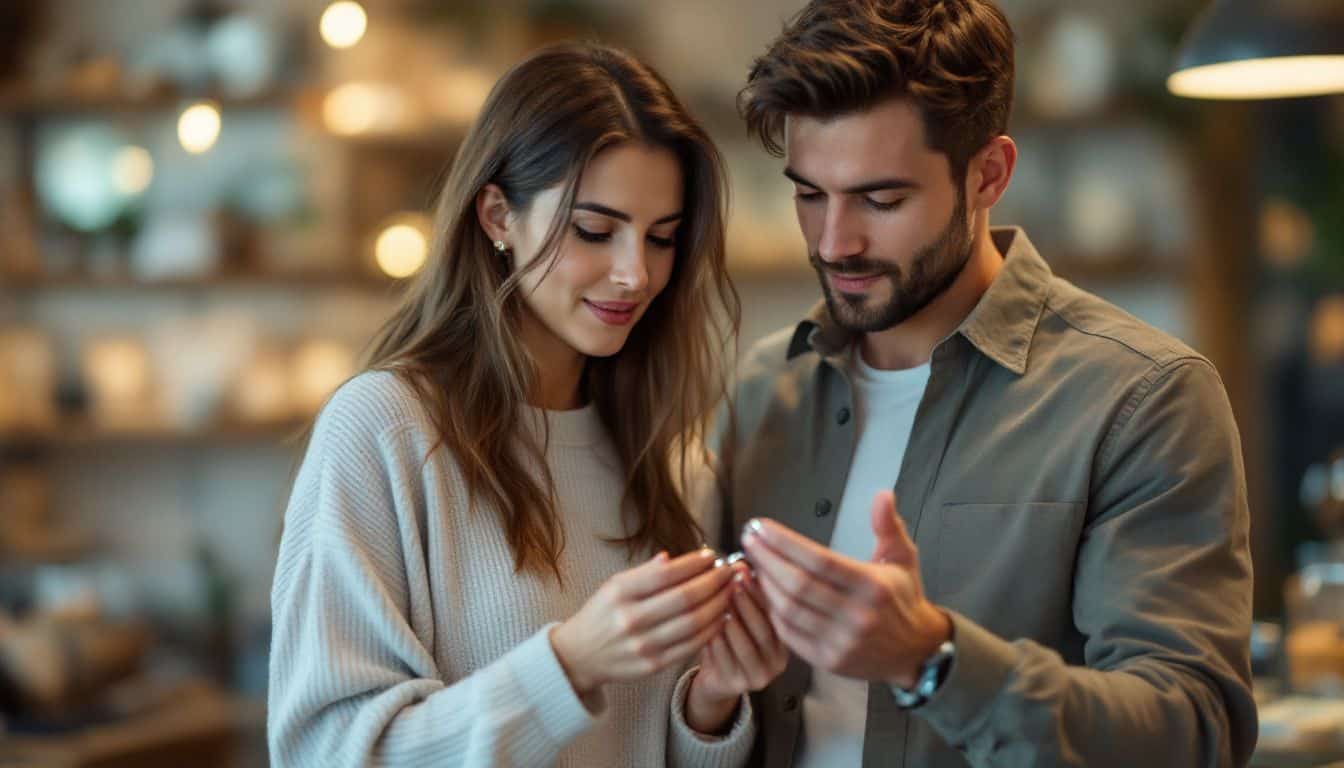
x: 894, y: 544
x: 721, y: 659
x: 658, y: 574
x: 795, y: 588
x: 685, y: 649
x: 802, y: 615
x: 754, y: 620
x: 807, y: 647
x: 799, y: 551
x: 687, y: 623
x: 679, y: 599
x: 751, y: 664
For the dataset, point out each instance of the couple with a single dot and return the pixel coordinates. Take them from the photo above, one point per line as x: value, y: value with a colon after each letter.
x: 493, y: 551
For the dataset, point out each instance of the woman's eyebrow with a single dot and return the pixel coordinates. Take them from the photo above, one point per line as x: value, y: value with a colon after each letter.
x: 622, y: 215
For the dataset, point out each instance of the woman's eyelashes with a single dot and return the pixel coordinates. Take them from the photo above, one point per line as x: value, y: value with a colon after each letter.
x: 590, y: 236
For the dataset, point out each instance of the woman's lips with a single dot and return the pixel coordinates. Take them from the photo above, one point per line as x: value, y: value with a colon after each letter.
x: 851, y: 283
x: 613, y: 312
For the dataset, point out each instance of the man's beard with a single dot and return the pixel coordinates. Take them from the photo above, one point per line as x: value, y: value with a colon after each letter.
x: 932, y: 271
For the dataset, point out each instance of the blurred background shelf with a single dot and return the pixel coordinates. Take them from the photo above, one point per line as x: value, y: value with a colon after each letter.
x: 32, y: 105
x: 89, y: 436
x: 318, y: 281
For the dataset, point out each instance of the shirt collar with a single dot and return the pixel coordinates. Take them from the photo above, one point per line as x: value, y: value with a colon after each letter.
x: 1001, y: 325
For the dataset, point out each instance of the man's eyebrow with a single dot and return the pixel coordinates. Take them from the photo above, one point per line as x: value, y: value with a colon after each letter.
x: 858, y: 189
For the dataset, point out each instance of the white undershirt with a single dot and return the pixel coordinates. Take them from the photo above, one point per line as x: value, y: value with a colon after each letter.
x: 835, y: 710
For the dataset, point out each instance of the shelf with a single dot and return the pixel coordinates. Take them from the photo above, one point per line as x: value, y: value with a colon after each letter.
x: 1127, y: 269
x: 257, y: 281
x: 22, y: 103
x: 89, y: 435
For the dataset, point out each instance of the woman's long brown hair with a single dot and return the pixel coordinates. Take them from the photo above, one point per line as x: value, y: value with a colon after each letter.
x: 455, y: 338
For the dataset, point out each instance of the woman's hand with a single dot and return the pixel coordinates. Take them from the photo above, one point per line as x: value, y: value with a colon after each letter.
x: 745, y: 657
x: 644, y: 620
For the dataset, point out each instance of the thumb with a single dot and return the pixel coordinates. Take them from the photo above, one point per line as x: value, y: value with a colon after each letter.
x: 893, y: 541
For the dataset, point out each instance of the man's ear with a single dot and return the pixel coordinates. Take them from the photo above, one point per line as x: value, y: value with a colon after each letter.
x: 492, y: 210
x: 990, y: 171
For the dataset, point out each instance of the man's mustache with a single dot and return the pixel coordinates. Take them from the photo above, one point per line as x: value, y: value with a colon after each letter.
x: 856, y: 265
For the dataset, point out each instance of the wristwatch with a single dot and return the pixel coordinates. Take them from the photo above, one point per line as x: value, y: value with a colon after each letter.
x: 930, y: 679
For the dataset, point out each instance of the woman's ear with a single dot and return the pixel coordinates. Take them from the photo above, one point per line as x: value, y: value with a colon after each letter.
x: 492, y: 210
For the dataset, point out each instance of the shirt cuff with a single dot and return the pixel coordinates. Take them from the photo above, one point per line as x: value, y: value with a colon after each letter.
x: 980, y: 671
x: 692, y: 749
x: 548, y: 691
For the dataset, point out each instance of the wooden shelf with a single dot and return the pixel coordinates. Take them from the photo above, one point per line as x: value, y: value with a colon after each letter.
x: 89, y: 435
x: 22, y: 103
x: 276, y: 281
x: 1129, y: 269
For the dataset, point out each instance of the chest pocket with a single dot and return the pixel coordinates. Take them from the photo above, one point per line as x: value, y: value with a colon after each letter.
x: 1007, y: 566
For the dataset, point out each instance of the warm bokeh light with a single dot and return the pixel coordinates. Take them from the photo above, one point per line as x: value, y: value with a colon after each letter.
x: 343, y: 24
x: 353, y: 109
x: 1283, y: 77
x: 318, y: 368
x: 132, y: 170
x: 402, y: 246
x: 457, y: 96
x: 198, y: 127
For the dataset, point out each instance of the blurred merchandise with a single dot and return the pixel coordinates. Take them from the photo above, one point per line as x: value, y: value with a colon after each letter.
x: 1327, y: 331
x: 120, y: 382
x: 1073, y: 67
x: 1322, y: 494
x: 197, y: 360
x: 89, y: 176
x: 1287, y: 235
x: 1314, y: 647
x: 1266, y: 650
x: 27, y: 379
x: 28, y: 530
x: 174, y: 245
x: 244, y: 52
x: 262, y: 393
x: 319, y: 367
x: 57, y: 664
x: 1302, y: 725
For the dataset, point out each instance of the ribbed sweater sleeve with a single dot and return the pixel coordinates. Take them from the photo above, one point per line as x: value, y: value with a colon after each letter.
x: 352, y: 679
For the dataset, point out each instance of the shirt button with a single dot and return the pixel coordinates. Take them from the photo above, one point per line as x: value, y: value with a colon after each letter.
x: 842, y: 416
x: 823, y: 508
x: 790, y: 703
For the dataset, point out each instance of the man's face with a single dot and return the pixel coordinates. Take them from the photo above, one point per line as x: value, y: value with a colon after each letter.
x: 886, y: 228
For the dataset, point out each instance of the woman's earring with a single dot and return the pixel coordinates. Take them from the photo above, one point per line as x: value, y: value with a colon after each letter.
x: 505, y: 255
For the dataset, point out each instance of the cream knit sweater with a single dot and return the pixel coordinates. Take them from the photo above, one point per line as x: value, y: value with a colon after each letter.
x: 403, y: 637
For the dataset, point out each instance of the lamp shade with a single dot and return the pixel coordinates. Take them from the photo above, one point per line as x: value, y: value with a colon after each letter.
x: 1262, y: 49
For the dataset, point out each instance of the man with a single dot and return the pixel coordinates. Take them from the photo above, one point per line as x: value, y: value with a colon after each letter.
x: 1067, y: 580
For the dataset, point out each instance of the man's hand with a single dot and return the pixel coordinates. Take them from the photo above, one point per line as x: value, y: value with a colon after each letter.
x: 869, y: 621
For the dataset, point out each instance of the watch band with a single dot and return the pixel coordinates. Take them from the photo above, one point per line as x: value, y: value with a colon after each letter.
x: 931, y: 677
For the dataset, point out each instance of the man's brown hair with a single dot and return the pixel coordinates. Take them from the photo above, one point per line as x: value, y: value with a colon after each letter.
x: 953, y: 59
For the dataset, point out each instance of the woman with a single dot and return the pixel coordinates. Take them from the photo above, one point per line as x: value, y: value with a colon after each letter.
x: 488, y: 556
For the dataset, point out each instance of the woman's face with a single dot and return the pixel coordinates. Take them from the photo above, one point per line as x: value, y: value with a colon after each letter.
x: 615, y: 252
